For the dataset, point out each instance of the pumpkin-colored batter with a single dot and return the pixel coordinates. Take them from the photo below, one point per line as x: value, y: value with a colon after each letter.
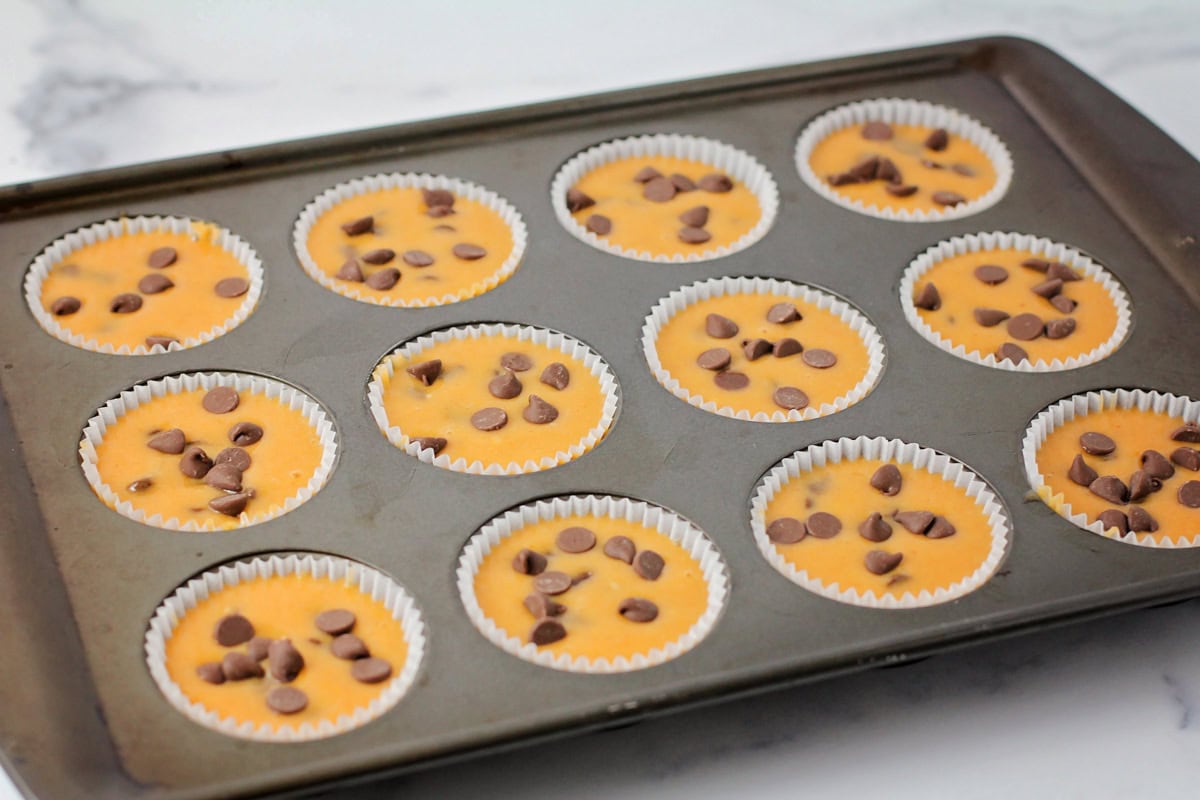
x: 594, y: 626
x: 961, y: 293
x: 646, y: 226
x: 97, y: 273
x: 1134, y: 432
x: 684, y: 338
x: 279, y: 607
x: 961, y: 168
x: 282, y: 461
x: 402, y: 224
x: 844, y: 490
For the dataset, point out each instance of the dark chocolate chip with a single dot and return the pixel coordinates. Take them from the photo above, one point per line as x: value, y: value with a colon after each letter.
x: 552, y: 582
x: 695, y: 217
x: 901, y: 190
x: 1060, y: 328
x: 877, y: 131
x: 842, y: 179
x: 991, y: 274
x: 732, y: 381
x: 438, y: 212
x: 717, y: 358
x: 1039, y: 264
x: 1188, y: 432
x: 963, y: 169
x: 938, y: 139
x: 244, y: 434
x: 690, y: 235
x: 529, y: 562
x: 575, y: 540
x: 1081, y: 473
x: 435, y: 443
x: 928, y: 298
x: 417, y: 258
x: 880, y: 562
x: 65, y: 306
x: 232, y: 630
x: 164, y: 342
x: 682, y: 183
x: 171, y: 442
x: 351, y: 271
x: 287, y: 700
x: 1156, y: 465
x: 226, y: 477
x: 786, y: 347
x: 231, y: 505
x: 125, y: 303
x: 539, y: 412
x: 1097, y: 444
x: 716, y: 183
x: 1142, y: 485
x: 211, y: 672
x: 426, y: 371
x: 335, y: 621
x: 140, y: 485
x: 1048, y: 288
x: 1112, y: 518
x: 221, y: 400
x: 1011, y: 352
x: 783, y: 313
x: 720, y: 327
x: 239, y: 666
x: 1187, y: 458
x: 433, y: 198
x: 1110, y: 488
x: 517, y: 362
x: 1061, y: 271
x: 1140, y: 520
x: 505, y: 387
x: 556, y: 375
x: 371, y: 670
x: 823, y: 525
x: 755, y: 348
x: 357, y: 227
x: 162, y: 257
x: 258, y: 647
x: 866, y: 169
x: 231, y: 287
x: 155, y: 283
x: 547, y: 631
x: 1063, y: 303
x: 790, y: 398
x: 1025, y: 327
x: 284, y: 660
x: 914, y: 521
x: 819, y: 359
x: 489, y: 419
x: 649, y: 564
x: 940, y: 529
x: 195, y: 463
x: 383, y: 279
x: 637, y: 609
x: 647, y: 174
x: 887, y: 171
x: 786, y: 530
x: 659, y: 190
x: 599, y: 224
x: 990, y: 317
x: 1189, y: 494
x: 944, y: 198
x: 577, y: 200
x: 888, y: 480
x: 621, y: 548
x: 541, y: 606
x: 874, y: 529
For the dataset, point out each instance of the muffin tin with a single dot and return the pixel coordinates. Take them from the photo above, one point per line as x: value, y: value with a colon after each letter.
x: 79, y: 583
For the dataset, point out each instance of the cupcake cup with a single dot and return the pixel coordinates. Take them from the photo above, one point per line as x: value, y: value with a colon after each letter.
x: 1177, y: 407
x: 901, y: 452
x: 905, y: 112
x: 385, y: 371
x: 409, y: 180
x: 734, y: 162
x: 369, y: 581
x: 108, y: 414
x: 1039, y: 246
x: 676, y: 301
x: 674, y: 527
x: 60, y: 249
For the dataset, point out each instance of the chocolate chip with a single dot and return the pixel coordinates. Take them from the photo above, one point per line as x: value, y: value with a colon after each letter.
x: 880, y: 562
x: 888, y: 480
x: 171, y: 442
x: 351, y: 271
x: 287, y: 700
x: 226, y: 477
x: 647, y: 174
x: 1110, y: 488
x: 154, y: 283
x: 1114, y: 519
x: 1156, y: 465
x: 1048, y: 288
x: 991, y: 274
x: 928, y: 298
x: 211, y: 672
x: 417, y: 258
x: 914, y: 521
x: 1188, y: 432
x: 232, y: 630
x: 682, y: 183
x: 659, y: 190
x: 790, y: 398
x: 940, y: 529
x: 1039, y: 264
x: 125, y: 303
x: 231, y: 287
x: 162, y: 257
x: 489, y: 419
x: 938, y: 139
x: 517, y: 362
x: 887, y: 171
x: 874, y: 529
x: 65, y: 306
x: 443, y: 198
x: 231, y: 505
x: 944, y: 198
x: 541, y: 606
x: 866, y: 169
x: 990, y: 317
x: 164, y: 342
x: 823, y: 525
x: 901, y: 190
x: 877, y: 131
x: 383, y: 279
x: 621, y: 548
x: 1063, y: 303
x: 556, y: 375
x: 1025, y: 327
x: 1189, y: 494
x: 1140, y: 520
x: 529, y: 562
x: 717, y: 358
x: 1062, y: 272
x: 783, y: 313
x: 577, y: 200
x: 842, y: 179
x: 755, y: 348
x: 371, y: 670
x: 637, y: 609
x: 140, y: 485
x: 434, y: 443
x: 221, y: 400
x: 716, y: 183
x: 1096, y: 444
x: 1081, y: 473
x: 505, y: 386
x: 1011, y: 352
x: 195, y: 463
x: 335, y: 621
x: 239, y: 666
x: 1060, y: 328
x: 1187, y: 458
x: 1142, y: 485
x: 552, y: 582
x: 963, y: 169
x: 357, y: 227
x: 547, y: 631
x: 695, y: 217
x: 786, y: 347
x: 731, y: 381
x: 437, y: 212
x: 539, y: 412
x: 284, y: 660
x: 258, y: 647
x: 786, y: 530
x: 648, y: 564
x: 244, y: 434
x: 720, y: 327
x: 426, y: 371
x: 690, y: 235
x: 599, y: 224
x: 819, y: 359
x: 575, y: 540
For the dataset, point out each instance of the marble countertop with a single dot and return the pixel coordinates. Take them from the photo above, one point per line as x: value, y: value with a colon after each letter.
x: 1108, y: 709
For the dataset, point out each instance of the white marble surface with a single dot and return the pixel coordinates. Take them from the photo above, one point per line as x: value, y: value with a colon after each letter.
x: 1103, y: 710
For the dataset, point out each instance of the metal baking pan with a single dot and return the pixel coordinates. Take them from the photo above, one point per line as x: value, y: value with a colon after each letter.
x: 78, y: 582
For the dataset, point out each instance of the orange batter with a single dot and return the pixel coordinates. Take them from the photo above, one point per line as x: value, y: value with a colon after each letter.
x: 401, y: 223
x: 1134, y: 432
x: 279, y: 607
x: 97, y: 274
x: 653, y: 227
x: 685, y: 337
x: 844, y: 490
x: 594, y: 625
x: 444, y: 409
x: 960, y: 168
x: 961, y: 294
x: 282, y: 461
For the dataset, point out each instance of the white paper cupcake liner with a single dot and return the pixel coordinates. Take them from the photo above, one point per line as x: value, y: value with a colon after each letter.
x: 60, y: 249
x: 900, y: 452
x: 1177, y: 407
x: 409, y: 180
x: 108, y: 414
x: 735, y: 163
x: 674, y: 527
x: 1039, y: 246
x: 678, y: 300
x: 369, y: 581
x: 575, y: 349
x: 896, y: 111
